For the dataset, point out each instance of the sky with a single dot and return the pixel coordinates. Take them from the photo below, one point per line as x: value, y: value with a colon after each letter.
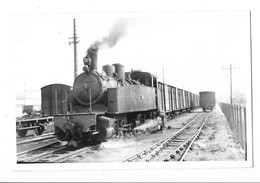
x: 193, y: 48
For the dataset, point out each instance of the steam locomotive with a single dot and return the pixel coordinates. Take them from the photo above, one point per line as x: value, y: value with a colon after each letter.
x: 112, y: 102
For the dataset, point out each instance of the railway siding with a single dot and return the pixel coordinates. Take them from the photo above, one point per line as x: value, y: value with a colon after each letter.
x: 177, y: 143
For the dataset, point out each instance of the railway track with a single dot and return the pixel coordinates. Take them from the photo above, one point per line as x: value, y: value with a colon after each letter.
x: 50, y: 153
x: 36, y: 139
x: 173, y: 147
x: 33, y: 136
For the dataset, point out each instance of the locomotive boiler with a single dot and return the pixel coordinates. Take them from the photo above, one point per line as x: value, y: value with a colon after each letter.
x: 102, y: 104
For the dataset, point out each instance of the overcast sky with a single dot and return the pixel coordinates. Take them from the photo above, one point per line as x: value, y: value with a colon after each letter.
x: 193, y: 47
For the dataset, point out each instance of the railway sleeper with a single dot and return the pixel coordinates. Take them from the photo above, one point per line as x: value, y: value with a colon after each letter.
x: 172, y: 156
x: 179, y: 140
x: 172, y: 144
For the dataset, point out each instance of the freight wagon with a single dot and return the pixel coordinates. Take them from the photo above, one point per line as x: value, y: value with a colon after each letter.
x: 173, y: 100
x: 207, y: 100
x: 53, y: 97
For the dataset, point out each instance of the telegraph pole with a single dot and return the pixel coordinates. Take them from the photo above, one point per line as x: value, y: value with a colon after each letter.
x: 230, y: 68
x: 75, y: 42
x: 231, y: 97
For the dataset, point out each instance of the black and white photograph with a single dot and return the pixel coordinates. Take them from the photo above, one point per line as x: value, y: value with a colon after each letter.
x: 123, y: 91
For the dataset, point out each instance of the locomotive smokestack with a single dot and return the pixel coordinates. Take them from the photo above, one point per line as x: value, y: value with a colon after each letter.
x: 92, y: 54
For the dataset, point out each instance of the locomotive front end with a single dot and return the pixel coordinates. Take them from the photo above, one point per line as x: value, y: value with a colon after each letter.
x: 90, y: 86
x: 87, y: 105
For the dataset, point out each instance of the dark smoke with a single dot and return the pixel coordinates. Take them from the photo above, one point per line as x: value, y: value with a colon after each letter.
x: 115, y: 33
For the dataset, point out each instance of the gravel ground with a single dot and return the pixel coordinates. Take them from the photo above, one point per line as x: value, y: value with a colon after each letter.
x: 216, y: 143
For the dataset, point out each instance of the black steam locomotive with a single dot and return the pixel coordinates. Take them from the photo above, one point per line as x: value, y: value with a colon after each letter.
x: 102, y: 104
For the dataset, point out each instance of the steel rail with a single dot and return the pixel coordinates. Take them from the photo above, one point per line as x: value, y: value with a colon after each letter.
x: 188, y: 141
x: 42, y: 155
x: 195, y: 137
x: 175, y: 151
x: 46, y: 137
x: 33, y: 135
x: 73, y: 154
x: 38, y: 147
x: 160, y: 143
x: 164, y: 146
x: 47, y: 157
x: 46, y: 134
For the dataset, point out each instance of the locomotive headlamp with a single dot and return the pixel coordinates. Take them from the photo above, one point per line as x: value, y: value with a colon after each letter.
x: 85, y: 68
x: 86, y: 60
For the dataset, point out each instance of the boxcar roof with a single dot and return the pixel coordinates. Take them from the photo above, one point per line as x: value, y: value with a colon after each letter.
x: 50, y: 85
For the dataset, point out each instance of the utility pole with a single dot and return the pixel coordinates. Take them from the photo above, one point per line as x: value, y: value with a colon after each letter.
x: 75, y: 42
x: 231, y: 97
x: 230, y: 68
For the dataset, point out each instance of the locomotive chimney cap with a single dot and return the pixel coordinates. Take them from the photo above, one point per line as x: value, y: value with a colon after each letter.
x: 92, y: 49
x: 118, y: 65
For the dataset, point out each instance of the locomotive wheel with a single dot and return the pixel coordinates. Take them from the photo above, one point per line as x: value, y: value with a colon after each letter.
x: 21, y: 133
x: 67, y: 136
x: 40, y: 130
x: 64, y: 136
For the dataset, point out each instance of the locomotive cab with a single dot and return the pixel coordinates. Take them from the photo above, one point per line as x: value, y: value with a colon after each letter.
x: 147, y: 79
x: 144, y: 78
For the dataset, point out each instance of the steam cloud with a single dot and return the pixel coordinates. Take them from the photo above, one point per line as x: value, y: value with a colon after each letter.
x: 115, y: 33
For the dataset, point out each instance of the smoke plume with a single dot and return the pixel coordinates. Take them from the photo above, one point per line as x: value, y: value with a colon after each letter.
x: 115, y: 33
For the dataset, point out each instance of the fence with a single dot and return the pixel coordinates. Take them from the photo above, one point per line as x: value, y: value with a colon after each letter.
x: 236, y: 117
